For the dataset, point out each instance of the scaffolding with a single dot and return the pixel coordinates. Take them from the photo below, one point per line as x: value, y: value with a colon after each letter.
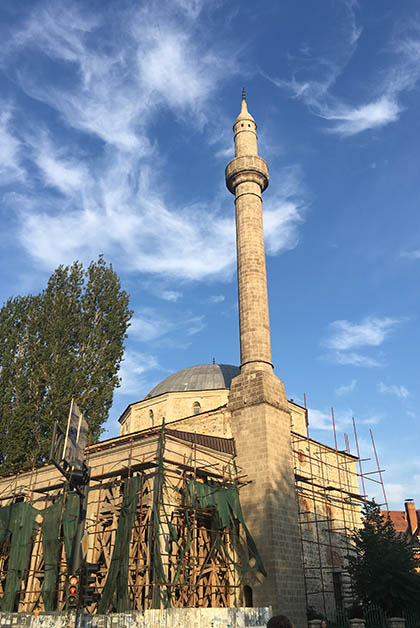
x: 164, y: 527
x: 329, y: 506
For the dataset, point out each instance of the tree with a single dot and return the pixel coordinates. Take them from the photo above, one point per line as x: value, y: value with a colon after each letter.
x: 383, y: 568
x: 65, y: 342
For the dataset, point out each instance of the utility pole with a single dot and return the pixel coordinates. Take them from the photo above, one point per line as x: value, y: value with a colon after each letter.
x: 67, y: 454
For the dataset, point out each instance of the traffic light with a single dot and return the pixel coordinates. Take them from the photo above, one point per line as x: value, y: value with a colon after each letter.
x: 89, y: 594
x: 73, y: 596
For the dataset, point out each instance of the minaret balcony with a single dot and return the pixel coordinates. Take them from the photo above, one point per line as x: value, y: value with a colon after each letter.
x: 244, y: 169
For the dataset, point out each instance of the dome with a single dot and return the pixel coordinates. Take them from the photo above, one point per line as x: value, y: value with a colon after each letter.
x: 200, y: 377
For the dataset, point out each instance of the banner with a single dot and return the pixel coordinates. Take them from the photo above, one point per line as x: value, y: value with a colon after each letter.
x: 76, y: 440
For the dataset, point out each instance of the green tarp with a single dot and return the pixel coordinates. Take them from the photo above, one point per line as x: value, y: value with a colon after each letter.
x: 70, y: 520
x: 16, y: 527
x: 115, y: 591
x: 63, y: 513
x: 228, y: 510
x: 51, y: 544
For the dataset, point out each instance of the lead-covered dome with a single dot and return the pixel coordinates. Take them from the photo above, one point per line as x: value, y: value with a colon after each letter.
x: 200, y: 377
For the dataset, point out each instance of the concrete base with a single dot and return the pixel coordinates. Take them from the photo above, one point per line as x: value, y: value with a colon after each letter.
x: 169, y: 618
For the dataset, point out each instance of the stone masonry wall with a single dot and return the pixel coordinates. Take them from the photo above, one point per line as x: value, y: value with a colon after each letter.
x: 261, y: 428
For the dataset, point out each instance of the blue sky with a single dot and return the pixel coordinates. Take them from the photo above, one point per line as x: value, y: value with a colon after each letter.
x: 115, y: 129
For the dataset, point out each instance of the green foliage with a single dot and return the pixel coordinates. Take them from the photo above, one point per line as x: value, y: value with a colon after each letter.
x: 383, y: 568
x: 65, y: 342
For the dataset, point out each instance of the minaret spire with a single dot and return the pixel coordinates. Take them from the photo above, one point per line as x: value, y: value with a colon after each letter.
x: 247, y: 178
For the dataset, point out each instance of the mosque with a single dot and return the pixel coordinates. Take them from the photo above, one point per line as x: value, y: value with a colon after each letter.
x: 223, y: 497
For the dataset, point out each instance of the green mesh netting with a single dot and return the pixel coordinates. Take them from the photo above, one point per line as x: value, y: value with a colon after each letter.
x: 115, y: 591
x: 64, y: 512
x: 51, y: 544
x: 70, y: 521
x: 228, y: 510
x: 16, y: 527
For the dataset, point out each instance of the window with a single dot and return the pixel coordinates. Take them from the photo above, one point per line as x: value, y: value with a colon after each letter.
x: 338, y: 591
x: 196, y: 407
x: 248, y: 596
x: 152, y: 418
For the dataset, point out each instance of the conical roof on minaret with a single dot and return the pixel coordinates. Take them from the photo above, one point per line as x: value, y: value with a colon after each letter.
x: 244, y: 114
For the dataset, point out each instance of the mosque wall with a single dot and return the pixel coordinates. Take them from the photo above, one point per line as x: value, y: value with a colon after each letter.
x: 210, y: 417
x: 329, y: 512
x: 172, y: 407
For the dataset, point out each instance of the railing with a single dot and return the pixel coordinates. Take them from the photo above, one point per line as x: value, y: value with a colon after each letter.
x: 373, y: 617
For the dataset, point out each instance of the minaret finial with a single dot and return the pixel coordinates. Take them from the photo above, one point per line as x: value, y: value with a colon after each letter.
x: 243, y: 94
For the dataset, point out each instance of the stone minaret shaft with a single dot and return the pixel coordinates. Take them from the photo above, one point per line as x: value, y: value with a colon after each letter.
x: 247, y: 178
x: 260, y: 414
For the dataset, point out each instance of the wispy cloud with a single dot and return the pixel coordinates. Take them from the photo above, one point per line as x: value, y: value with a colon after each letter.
x: 352, y: 358
x: 217, y: 298
x: 315, y: 77
x: 283, y: 211
x: 111, y: 199
x: 373, y: 419
x: 352, y: 120
x: 170, y: 295
x: 393, y: 389
x: 322, y: 420
x: 135, y: 373
x: 10, y: 168
x: 148, y: 325
x: 346, y: 388
x: 346, y: 335
x: 371, y: 331
x: 413, y: 254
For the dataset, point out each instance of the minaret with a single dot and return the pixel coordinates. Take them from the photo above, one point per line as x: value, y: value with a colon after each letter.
x: 261, y: 420
x: 247, y: 178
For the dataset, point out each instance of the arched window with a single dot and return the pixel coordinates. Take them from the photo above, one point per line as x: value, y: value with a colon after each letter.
x: 248, y: 596
x: 196, y: 407
x: 152, y: 418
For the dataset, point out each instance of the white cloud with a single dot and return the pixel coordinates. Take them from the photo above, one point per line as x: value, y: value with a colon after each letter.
x: 371, y: 331
x: 58, y: 169
x: 10, y: 168
x: 396, y: 493
x: 370, y: 420
x: 318, y: 76
x: 353, y: 359
x: 134, y: 371
x: 283, y: 211
x: 217, y: 298
x: 321, y: 420
x: 148, y: 325
x: 393, y: 389
x: 170, y: 295
x: 115, y: 203
x: 123, y: 217
x: 346, y: 388
x: 346, y: 335
x: 413, y: 254
x: 352, y: 120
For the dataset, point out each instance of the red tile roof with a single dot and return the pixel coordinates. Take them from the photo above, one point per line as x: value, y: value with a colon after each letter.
x: 398, y: 518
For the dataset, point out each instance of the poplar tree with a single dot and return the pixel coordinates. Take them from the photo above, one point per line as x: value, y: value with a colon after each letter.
x: 383, y: 568
x: 66, y: 342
